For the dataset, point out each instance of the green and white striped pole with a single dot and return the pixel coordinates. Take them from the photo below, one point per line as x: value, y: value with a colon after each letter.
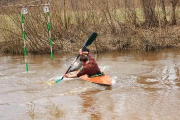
x: 46, y: 10
x: 23, y: 12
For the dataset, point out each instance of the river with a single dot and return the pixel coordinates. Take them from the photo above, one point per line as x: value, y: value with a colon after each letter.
x: 146, y: 86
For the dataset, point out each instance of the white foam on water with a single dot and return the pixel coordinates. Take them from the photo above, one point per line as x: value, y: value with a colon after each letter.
x: 114, y: 80
x: 29, y: 72
x: 151, y: 80
x: 103, y: 67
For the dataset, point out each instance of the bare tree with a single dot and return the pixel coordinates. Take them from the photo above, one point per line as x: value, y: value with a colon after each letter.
x: 130, y: 13
x: 65, y: 20
x: 148, y: 7
x: 173, y: 15
x: 163, y: 11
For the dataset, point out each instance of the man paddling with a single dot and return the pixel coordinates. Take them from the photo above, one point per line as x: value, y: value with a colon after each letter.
x: 90, y: 66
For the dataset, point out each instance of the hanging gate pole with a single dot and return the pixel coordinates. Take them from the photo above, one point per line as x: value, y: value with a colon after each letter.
x: 23, y: 12
x: 46, y: 10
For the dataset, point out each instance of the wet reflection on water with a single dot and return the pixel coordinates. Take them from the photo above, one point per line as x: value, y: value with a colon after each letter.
x: 91, y: 105
x: 146, y: 86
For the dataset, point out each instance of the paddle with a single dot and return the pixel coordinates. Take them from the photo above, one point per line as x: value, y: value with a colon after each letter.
x: 89, y: 41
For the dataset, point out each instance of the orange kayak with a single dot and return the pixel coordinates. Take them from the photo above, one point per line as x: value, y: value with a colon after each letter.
x: 102, y: 80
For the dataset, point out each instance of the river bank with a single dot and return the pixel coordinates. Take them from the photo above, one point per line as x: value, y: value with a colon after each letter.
x: 125, y: 39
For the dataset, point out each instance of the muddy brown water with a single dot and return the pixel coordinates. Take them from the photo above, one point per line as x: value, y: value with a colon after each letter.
x: 146, y: 86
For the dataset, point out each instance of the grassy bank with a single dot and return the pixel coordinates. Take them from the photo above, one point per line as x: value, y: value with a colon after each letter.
x: 72, y: 24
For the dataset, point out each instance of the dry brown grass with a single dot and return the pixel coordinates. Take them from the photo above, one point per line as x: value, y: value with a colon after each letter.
x: 119, y: 27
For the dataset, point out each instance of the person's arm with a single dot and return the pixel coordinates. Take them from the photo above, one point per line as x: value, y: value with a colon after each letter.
x: 90, y: 57
x: 70, y: 76
x: 77, y: 67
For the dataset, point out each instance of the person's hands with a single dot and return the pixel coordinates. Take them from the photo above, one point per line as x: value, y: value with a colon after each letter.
x: 80, y: 51
x: 83, y: 52
x: 66, y: 76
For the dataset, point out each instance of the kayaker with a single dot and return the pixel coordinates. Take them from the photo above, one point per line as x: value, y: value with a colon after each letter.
x: 90, y: 67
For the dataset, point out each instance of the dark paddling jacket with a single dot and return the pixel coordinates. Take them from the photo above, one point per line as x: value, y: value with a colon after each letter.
x: 90, y: 68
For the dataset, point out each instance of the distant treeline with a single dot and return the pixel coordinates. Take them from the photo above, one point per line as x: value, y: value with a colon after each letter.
x: 141, y: 25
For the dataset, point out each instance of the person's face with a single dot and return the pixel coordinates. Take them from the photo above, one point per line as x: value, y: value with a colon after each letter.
x: 83, y: 63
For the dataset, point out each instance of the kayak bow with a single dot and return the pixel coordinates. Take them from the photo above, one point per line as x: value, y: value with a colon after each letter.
x: 102, y: 80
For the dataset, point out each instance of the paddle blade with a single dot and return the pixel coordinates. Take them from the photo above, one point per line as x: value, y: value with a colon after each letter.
x: 91, y: 39
x: 59, y: 80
